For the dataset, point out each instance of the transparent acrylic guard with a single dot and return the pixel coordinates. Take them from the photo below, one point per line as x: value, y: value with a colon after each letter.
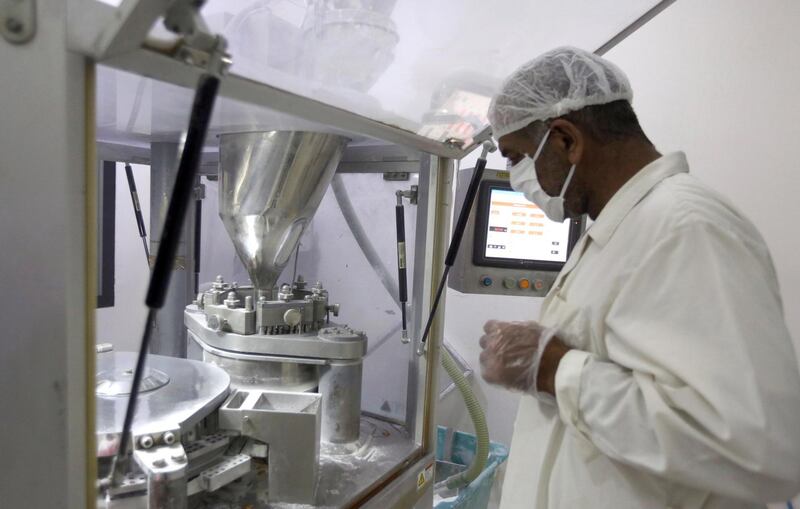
x: 428, y: 67
x: 136, y: 110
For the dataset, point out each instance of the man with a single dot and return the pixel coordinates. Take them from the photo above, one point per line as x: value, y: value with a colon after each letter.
x: 661, y: 354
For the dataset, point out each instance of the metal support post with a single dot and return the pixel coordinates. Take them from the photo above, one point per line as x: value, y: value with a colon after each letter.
x: 340, y: 388
x: 169, y: 334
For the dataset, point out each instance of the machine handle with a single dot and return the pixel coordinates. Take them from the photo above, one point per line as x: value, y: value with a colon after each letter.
x: 137, y: 209
x: 198, y: 220
x: 182, y: 193
x: 463, y: 216
x: 402, y: 272
x: 401, y: 252
x: 455, y: 242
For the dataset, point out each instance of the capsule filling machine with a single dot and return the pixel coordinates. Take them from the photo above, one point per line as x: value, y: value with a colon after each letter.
x: 270, y: 413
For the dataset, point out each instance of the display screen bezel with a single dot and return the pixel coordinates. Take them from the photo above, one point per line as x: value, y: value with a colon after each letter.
x: 481, y: 228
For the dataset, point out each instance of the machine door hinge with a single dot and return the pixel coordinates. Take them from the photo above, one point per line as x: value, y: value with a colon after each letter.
x: 18, y: 20
x: 410, y: 194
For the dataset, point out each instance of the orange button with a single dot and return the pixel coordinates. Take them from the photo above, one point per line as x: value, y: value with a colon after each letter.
x: 524, y: 284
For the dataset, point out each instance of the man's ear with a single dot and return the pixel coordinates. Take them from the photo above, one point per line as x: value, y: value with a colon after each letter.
x: 568, y: 139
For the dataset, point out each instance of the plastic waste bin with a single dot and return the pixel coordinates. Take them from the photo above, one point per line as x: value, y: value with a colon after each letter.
x: 454, y: 453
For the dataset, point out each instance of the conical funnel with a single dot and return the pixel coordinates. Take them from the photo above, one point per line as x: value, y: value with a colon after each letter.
x: 271, y: 184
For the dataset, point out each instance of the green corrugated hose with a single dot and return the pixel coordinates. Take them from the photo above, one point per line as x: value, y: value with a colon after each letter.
x: 478, y: 421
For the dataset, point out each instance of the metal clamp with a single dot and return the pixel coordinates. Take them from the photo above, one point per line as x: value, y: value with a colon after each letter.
x: 410, y: 194
x: 18, y: 20
x: 198, y: 46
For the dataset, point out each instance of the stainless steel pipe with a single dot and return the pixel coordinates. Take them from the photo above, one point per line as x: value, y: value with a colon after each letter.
x: 340, y: 388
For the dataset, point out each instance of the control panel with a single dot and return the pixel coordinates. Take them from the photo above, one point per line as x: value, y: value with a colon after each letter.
x: 509, y: 245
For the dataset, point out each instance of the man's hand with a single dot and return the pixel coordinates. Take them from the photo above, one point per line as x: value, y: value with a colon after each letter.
x: 513, y: 353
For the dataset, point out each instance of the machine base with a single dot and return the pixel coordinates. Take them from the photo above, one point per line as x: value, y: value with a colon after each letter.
x: 344, y: 474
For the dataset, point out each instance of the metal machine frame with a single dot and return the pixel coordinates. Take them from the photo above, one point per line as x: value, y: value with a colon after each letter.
x: 49, y: 207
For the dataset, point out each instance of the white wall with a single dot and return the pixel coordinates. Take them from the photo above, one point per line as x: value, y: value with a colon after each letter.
x: 122, y: 324
x: 718, y: 79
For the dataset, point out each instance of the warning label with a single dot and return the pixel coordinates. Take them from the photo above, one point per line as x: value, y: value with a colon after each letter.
x: 424, y: 477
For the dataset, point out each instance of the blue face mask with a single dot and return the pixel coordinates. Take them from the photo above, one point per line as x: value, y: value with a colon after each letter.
x: 523, y: 180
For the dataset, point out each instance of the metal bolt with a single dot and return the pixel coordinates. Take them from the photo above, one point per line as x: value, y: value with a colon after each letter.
x: 233, y: 300
x: 169, y: 438
x: 104, y: 347
x: 146, y: 442
x: 14, y: 25
x: 219, y: 279
x: 213, y: 322
x: 285, y: 294
x: 248, y: 303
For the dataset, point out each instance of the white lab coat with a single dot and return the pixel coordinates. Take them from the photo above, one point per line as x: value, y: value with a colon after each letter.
x: 683, y: 391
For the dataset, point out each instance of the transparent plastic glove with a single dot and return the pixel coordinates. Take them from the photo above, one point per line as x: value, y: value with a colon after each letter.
x: 512, y: 353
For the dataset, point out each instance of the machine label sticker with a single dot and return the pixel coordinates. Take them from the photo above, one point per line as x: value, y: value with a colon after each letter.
x: 401, y: 255
x: 503, y: 175
x: 424, y: 476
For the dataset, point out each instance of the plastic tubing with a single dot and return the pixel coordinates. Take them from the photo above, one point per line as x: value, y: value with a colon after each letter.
x: 478, y: 421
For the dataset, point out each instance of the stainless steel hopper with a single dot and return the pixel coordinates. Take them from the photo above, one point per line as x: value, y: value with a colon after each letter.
x: 271, y: 184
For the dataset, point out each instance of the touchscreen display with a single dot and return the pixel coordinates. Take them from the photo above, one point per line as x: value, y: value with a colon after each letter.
x: 518, y: 229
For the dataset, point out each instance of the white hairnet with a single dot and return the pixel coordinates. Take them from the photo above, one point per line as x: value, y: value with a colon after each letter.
x: 560, y: 81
